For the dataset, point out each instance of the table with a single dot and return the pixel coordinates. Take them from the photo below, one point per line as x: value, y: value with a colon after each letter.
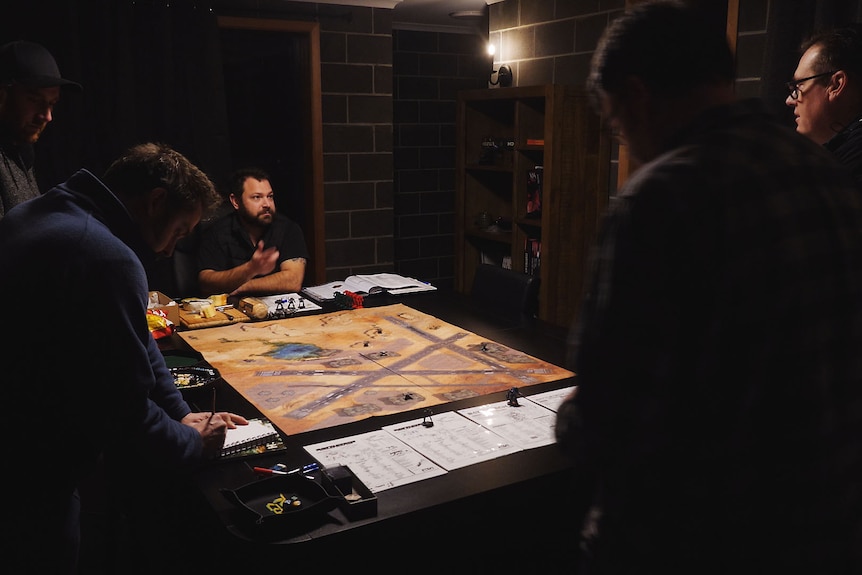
x: 504, y: 512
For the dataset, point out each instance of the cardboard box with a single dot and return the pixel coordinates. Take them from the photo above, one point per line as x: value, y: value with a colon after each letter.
x: 169, y: 306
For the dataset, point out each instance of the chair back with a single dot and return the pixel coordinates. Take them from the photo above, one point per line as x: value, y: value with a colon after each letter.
x: 505, y: 293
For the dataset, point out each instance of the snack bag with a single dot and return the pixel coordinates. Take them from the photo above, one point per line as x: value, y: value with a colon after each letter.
x: 159, y: 324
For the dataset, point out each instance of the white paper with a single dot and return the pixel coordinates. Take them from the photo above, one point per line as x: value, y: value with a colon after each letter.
x: 453, y: 441
x: 395, y: 283
x: 551, y: 399
x: 528, y: 425
x: 256, y: 429
x: 380, y: 460
x: 369, y: 284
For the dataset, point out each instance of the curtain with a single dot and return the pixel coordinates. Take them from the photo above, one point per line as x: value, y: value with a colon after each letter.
x: 151, y: 71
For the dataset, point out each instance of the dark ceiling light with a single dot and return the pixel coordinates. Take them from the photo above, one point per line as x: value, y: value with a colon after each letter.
x: 467, y: 14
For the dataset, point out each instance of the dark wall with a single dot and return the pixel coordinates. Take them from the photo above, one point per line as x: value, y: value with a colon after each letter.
x: 153, y: 70
x: 430, y: 69
x: 148, y: 75
x: 552, y: 41
x: 387, y: 102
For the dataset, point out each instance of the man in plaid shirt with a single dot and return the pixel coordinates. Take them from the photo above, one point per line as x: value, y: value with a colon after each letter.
x: 717, y: 421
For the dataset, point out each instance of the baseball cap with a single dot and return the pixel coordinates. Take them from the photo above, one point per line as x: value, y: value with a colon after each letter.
x: 30, y: 64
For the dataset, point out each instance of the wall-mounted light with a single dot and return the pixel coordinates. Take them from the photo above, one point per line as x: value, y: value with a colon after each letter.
x: 504, y: 74
x: 504, y: 77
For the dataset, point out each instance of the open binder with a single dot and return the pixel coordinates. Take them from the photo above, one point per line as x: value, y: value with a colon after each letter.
x: 259, y: 436
x: 368, y: 284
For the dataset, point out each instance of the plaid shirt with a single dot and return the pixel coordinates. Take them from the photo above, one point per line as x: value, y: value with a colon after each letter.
x: 719, y: 359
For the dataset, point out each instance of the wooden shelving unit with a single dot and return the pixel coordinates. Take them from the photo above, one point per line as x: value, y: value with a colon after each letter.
x: 566, y: 139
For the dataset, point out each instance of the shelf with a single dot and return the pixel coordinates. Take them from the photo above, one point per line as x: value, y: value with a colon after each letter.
x: 489, y: 168
x: 529, y: 222
x: 502, y: 237
x: 566, y: 139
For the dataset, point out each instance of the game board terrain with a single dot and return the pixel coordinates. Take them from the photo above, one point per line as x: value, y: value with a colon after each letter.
x: 311, y: 372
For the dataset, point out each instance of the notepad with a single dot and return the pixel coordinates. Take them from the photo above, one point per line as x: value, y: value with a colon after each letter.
x: 258, y: 436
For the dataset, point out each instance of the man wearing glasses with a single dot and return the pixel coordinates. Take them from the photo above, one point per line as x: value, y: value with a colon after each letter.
x: 826, y: 94
x: 717, y: 419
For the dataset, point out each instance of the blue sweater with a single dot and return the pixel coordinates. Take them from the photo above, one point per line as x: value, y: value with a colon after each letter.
x: 82, y: 374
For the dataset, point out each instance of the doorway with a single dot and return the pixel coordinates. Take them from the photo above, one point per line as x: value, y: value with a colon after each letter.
x: 272, y: 91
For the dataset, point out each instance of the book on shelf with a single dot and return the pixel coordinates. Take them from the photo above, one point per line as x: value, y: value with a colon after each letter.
x: 258, y: 437
x: 532, y: 256
x: 535, y: 178
x: 368, y: 284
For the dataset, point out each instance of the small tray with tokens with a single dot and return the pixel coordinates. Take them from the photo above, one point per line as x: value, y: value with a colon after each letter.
x: 193, y: 376
x: 280, y: 501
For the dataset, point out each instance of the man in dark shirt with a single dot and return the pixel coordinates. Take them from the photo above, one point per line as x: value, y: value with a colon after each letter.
x: 826, y: 94
x: 254, y: 249
x: 30, y: 85
x: 718, y: 410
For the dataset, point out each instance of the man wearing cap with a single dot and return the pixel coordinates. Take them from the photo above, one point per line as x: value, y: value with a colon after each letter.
x: 30, y: 84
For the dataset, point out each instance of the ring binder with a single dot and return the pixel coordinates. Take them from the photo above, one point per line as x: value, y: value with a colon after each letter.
x: 259, y: 436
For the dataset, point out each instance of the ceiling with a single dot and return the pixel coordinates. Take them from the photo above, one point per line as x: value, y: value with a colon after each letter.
x: 430, y: 15
x: 434, y: 15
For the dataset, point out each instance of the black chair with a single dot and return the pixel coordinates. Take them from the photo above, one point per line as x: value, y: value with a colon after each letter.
x: 177, y: 276
x: 185, y: 266
x: 505, y: 293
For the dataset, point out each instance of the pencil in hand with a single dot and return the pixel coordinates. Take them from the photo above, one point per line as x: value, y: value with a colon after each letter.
x: 213, y: 407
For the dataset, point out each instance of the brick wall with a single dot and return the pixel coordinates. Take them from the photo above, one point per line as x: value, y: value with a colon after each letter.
x: 388, y: 103
x: 549, y: 41
x: 552, y: 41
x: 429, y: 69
x: 751, y: 47
x: 356, y: 92
x: 356, y: 107
x: 388, y: 136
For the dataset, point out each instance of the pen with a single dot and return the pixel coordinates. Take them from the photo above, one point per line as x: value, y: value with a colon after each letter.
x: 268, y: 471
x: 304, y: 469
x: 213, y: 406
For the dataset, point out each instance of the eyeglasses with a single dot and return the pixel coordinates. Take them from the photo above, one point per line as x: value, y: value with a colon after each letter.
x: 793, y: 85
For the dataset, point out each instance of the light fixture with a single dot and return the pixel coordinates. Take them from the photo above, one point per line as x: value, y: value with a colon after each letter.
x: 504, y: 77
x: 467, y: 14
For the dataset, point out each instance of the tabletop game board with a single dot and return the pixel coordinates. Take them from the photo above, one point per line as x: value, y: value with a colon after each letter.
x: 311, y: 372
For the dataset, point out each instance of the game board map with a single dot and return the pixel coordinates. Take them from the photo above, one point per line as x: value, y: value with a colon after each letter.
x: 312, y: 372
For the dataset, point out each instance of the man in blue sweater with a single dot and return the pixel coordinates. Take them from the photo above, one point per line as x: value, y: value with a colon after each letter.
x: 83, y: 376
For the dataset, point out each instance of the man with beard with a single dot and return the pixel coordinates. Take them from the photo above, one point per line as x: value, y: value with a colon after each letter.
x: 254, y: 249
x: 30, y: 84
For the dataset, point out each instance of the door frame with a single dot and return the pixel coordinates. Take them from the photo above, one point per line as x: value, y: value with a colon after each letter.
x: 315, y: 274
